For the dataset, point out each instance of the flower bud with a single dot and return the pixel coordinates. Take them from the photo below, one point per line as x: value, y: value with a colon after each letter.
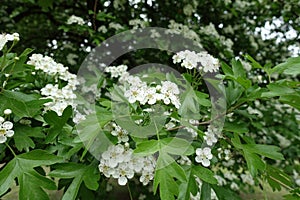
x: 7, y: 111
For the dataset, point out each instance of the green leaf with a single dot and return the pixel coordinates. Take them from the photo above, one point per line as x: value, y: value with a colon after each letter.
x: 253, y: 62
x: 18, y: 65
x: 157, y: 122
x: 32, y: 181
x: 46, y: 4
x: 167, y: 185
x: 235, y: 127
x: 176, y: 146
x: 190, y: 102
x: 237, y: 68
x: 226, y: 69
x: 22, y: 168
x: 246, y: 83
x: 166, y: 161
x: 204, y: 174
x: 291, y: 99
x: 80, y: 173
x: 92, y: 136
x: 225, y: 193
x: 56, y: 123
x: 269, y: 151
x: 147, y: 148
x: 277, y: 90
x: 188, y: 187
x: 254, y: 163
x: 22, y: 136
x: 250, y: 151
x: 104, y: 116
x: 166, y: 170
x: 205, y: 191
x: 291, y: 66
x: 277, y: 178
x: 22, y: 105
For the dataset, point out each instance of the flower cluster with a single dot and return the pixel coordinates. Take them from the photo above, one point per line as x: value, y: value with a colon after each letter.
x: 233, y: 178
x: 5, y: 130
x: 191, y: 60
x: 137, y: 23
x: 117, y: 71
x: 120, y: 163
x: 178, y: 28
x: 61, y: 97
x: 75, y: 20
x: 203, y: 156
x: 138, y: 91
x: 4, y: 38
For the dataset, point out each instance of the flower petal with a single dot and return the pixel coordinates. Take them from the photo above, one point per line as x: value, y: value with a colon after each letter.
x: 122, y: 180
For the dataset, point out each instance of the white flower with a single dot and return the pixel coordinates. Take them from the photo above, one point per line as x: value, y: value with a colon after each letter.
x: 146, y: 177
x: 184, y: 160
x: 5, y: 130
x: 75, y: 20
x: 1, y: 120
x: 209, y: 138
x: 78, y: 117
x: 4, y: 38
x: 121, y: 133
x: 71, y: 58
x: 234, y: 186
x: 123, y: 173
x: 102, y: 29
x: 203, y: 156
x: 132, y: 94
x: 151, y: 95
x: 221, y: 180
x: 247, y: 178
x: 115, y: 26
x: 3, y: 41
x: 169, y: 87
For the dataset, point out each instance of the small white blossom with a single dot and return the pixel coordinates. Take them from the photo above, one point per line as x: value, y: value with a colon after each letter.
x: 203, y: 156
x: 4, y: 38
x: 184, y: 160
x: 75, y: 20
x: 221, y: 180
x: 121, y: 133
x: 210, y: 138
x: 247, y: 178
x: 5, y: 130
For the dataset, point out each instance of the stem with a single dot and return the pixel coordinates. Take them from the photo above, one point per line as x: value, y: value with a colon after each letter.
x: 94, y: 16
x: 11, y: 149
x: 3, y: 61
x: 129, y: 191
x: 157, y: 134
